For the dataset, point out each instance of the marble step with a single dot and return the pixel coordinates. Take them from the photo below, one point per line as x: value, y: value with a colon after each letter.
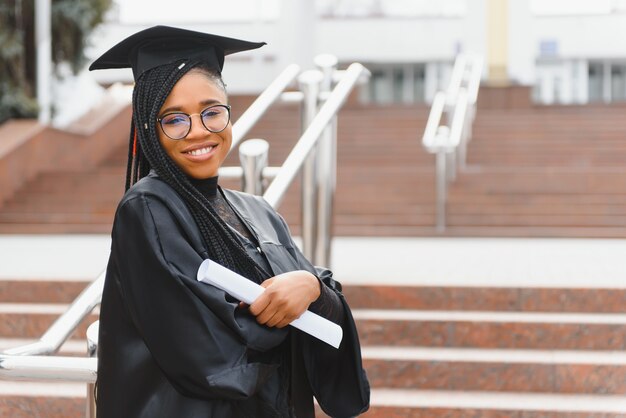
x: 522, y: 330
x: 502, y: 299
x: 408, y: 230
x: 394, y: 403
x: 32, y: 320
x: 40, y: 291
x: 56, y: 228
x: 67, y: 400
x: 529, y: 371
x: 25, y: 399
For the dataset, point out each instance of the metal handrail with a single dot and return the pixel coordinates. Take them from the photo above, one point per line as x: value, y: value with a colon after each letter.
x: 433, y: 124
x: 474, y: 79
x: 458, y: 124
x: 65, y: 325
x: 290, y: 168
x: 73, y: 369
x: 457, y: 76
x: 258, y: 108
x: 448, y: 137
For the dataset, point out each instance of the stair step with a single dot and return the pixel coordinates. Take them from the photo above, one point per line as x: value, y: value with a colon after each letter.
x: 56, y: 228
x: 496, y: 370
x: 492, y: 329
x: 512, y: 299
x: 461, y: 198
x: 369, y: 229
x: 58, y: 218
x: 520, y: 220
x: 40, y: 291
x: 42, y: 400
x: 32, y: 320
x: 530, y: 209
x: 67, y: 400
x: 430, y: 403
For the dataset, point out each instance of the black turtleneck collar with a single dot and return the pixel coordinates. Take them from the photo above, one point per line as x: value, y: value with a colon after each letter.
x: 208, y: 187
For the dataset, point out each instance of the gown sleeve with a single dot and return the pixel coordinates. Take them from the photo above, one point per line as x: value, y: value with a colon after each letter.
x: 197, y: 337
x: 336, y: 376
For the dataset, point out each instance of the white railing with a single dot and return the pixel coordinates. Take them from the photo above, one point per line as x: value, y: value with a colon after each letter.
x: 315, y: 148
x: 449, y: 126
x: 315, y: 154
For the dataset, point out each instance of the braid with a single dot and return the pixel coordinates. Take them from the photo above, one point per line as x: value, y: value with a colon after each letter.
x: 129, y: 165
x: 149, y: 94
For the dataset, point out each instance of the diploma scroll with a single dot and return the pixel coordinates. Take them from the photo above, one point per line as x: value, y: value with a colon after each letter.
x: 247, y: 291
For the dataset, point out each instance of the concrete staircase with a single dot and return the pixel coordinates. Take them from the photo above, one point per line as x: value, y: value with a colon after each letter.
x: 487, y: 352
x: 544, y: 171
x: 429, y: 351
x: 533, y: 171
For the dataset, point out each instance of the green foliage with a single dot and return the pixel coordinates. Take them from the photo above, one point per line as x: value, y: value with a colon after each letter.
x: 16, y: 90
x: 72, y: 23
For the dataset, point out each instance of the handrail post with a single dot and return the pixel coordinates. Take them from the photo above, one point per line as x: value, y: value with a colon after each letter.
x: 327, y: 169
x: 465, y: 137
x: 253, y: 157
x: 92, y: 351
x: 441, y: 182
x: 442, y: 152
x: 451, y: 166
x: 309, y: 82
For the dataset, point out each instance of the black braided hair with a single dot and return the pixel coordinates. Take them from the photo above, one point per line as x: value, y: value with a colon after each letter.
x: 145, y: 153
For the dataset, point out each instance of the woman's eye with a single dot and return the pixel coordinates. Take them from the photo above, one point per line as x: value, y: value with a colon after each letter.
x: 174, y: 119
x: 210, y: 113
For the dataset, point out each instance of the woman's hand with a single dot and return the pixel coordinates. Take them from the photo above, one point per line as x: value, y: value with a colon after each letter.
x: 285, y: 298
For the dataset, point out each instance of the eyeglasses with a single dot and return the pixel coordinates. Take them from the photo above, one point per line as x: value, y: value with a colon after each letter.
x: 177, y: 125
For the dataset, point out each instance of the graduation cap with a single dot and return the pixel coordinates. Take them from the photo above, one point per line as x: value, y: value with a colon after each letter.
x: 162, y: 45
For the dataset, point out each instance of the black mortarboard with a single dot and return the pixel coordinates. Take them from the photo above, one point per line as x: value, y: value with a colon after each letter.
x: 161, y: 45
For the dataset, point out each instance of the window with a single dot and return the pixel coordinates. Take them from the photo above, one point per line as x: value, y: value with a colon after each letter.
x: 395, y: 83
x: 596, y: 81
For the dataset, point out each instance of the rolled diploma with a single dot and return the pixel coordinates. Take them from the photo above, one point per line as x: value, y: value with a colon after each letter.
x: 247, y: 291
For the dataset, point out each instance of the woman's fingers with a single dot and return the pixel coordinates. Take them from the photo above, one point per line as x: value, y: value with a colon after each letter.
x: 277, y: 318
x: 260, y: 304
x: 266, y: 283
x: 286, y: 321
x: 285, y: 298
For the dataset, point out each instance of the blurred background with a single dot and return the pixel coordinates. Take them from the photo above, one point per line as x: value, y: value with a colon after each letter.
x: 479, y: 212
x: 552, y: 88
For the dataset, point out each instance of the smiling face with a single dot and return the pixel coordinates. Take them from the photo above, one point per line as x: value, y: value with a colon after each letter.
x: 201, y: 153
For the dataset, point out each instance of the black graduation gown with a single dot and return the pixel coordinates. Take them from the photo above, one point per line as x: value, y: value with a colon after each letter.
x: 170, y: 346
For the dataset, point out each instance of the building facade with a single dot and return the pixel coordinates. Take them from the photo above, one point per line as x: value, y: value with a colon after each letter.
x: 568, y: 51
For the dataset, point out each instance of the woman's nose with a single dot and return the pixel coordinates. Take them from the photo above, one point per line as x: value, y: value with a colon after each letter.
x: 197, y: 127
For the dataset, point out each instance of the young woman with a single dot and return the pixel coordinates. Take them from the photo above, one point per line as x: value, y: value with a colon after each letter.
x: 171, y: 346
